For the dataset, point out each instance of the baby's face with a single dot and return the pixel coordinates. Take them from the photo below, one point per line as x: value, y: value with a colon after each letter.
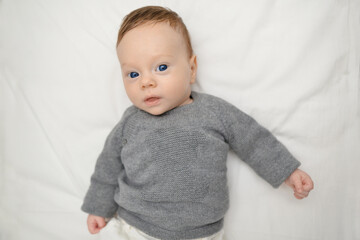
x: 156, y: 69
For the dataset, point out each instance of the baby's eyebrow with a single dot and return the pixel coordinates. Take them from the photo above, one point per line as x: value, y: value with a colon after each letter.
x: 154, y: 58
x: 128, y: 65
x: 163, y: 55
x: 123, y: 64
x: 160, y: 56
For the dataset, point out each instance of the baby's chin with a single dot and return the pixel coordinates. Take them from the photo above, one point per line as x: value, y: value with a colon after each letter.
x: 155, y: 111
x: 161, y: 107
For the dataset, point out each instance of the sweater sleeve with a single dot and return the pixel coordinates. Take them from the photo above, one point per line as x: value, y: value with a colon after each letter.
x: 99, y: 199
x: 256, y: 146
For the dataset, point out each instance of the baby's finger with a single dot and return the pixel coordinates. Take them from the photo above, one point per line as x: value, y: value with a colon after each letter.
x: 308, y: 186
x: 101, y: 224
x: 304, y: 194
x: 93, y: 227
x: 301, y: 195
x: 298, y: 187
x: 298, y: 196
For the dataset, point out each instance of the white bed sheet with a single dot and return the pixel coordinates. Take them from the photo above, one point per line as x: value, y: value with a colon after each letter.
x: 292, y: 65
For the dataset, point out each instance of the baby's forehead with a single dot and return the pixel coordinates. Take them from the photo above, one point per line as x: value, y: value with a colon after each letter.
x: 151, y: 40
x: 158, y: 26
x: 155, y: 31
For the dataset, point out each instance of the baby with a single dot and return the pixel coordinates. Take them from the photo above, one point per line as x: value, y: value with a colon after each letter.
x: 163, y: 167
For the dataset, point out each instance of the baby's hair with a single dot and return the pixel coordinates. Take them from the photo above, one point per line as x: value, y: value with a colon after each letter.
x: 154, y: 14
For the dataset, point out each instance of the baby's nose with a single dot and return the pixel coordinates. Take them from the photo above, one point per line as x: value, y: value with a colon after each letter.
x: 148, y: 82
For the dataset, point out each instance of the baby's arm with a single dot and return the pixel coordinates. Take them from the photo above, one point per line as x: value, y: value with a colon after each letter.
x: 95, y: 223
x: 301, y: 183
x: 260, y: 149
x: 99, y: 200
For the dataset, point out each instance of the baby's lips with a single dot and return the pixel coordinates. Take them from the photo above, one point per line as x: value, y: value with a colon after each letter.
x: 152, y: 100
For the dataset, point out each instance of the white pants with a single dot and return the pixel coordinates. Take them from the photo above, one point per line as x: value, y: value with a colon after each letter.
x: 131, y: 233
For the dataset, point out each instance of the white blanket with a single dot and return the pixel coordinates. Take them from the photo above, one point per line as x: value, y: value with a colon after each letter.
x: 291, y: 64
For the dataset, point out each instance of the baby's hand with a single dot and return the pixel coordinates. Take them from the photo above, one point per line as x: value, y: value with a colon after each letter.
x: 95, y: 223
x: 301, y: 183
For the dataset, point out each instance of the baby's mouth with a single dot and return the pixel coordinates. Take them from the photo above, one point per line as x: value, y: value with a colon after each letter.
x: 152, y: 101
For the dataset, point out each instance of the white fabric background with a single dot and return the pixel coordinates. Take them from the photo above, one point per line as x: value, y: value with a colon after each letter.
x: 293, y: 65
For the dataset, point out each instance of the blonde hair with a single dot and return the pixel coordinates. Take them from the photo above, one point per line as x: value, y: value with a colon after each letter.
x: 154, y: 14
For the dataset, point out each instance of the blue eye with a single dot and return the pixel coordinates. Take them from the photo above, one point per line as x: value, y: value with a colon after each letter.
x: 133, y: 74
x: 162, y: 67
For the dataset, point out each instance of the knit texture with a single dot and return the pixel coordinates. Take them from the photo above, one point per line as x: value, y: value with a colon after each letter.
x: 166, y: 175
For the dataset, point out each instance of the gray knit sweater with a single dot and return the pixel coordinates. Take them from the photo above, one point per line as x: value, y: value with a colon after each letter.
x: 166, y: 175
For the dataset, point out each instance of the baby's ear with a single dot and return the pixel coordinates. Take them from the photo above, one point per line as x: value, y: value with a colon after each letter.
x: 193, y: 68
